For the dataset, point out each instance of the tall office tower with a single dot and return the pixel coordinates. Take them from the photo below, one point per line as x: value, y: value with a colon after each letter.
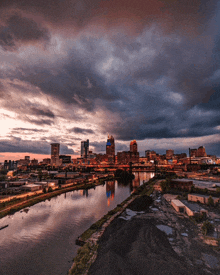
x: 84, y: 149
x: 55, y: 153
x: 133, y: 146
x: 110, y: 146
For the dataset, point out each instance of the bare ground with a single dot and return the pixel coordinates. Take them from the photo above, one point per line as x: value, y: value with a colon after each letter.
x: 137, y: 246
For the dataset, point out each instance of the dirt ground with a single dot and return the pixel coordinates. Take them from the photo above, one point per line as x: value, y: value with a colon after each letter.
x: 153, y: 240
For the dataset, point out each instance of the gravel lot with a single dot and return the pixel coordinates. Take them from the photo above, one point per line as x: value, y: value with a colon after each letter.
x: 153, y: 240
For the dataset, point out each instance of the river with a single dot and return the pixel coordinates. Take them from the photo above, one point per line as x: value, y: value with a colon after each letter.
x: 41, y: 239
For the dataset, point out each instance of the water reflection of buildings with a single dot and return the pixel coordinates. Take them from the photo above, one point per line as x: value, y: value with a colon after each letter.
x: 84, y: 192
x: 140, y: 178
x: 136, y: 182
x: 110, y: 191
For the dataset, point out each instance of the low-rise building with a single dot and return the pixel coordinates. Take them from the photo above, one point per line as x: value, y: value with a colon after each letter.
x: 178, y: 206
x: 202, y: 198
x: 16, y: 183
x: 181, y: 184
x: 169, y: 197
x: 191, y: 209
x: 31, y: 187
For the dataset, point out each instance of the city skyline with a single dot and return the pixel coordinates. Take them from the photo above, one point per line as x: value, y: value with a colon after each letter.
x: 56, y: 156
x: 78, y: 70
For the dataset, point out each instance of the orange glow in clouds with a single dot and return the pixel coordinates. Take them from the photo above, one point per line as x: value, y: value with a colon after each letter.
x: 134, y: 15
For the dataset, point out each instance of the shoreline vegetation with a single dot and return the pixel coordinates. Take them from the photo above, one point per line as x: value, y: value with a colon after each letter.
x: 88, y: 240
x: 12, y: 206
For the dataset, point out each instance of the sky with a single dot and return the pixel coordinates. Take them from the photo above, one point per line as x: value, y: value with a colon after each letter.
x: 72, y: 70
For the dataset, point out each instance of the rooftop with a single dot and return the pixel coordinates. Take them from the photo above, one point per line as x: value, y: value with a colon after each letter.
x: 178, y: 203
x: 192, y: 206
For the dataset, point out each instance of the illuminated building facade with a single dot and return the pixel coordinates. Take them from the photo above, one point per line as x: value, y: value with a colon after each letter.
x: 110, y: 191
x: 27, y: 158
x: 150, y: 155
x: 84, y: 148
x: 133, y: 146
x: 34, y: 162
x: 169, y: 154
x: 110, y: 148
x: 65, y: 159
x: 126, y: 157
x: 55, y: 153
x: 46, y: 161
x: 200, y: 152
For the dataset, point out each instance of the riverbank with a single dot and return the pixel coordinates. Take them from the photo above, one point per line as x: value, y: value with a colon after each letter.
x: 12, y: 206
x: 87, y: 254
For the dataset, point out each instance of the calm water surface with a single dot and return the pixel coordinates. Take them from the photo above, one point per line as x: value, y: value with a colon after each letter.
x: 41, y: 240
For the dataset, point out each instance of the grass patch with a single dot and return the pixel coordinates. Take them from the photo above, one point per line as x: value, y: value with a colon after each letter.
x: 82, y: 261
x: 97, y: 225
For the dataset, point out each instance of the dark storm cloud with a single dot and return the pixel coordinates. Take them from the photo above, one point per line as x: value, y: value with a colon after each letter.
x: 37, y: 121
x: 78, y: 130
x: 214, y: 101
x: 213, y: 148
x: 120, y: 146
x: 30, y: 131
x: 19, y: 100
x: 144, y: 110
x: 101, y: 146
x: 186, y: 15
x: 150, y: 81
x: 155, y: 116
x: 71, y: 144
x: 54, y: 11
x: 98, y: 146
x: 40, y: 112
x: 75, y: 81
x: 20, y: 29
x: 184, y: 62
x: 139, y: 92
x: 15, y: 144
x: 65, y: 150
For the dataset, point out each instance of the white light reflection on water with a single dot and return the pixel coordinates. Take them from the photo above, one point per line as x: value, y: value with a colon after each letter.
x: 42, y: 240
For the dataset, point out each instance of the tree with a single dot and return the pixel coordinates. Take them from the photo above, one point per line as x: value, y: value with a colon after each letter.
x: 2, y: 177
x: 210, y: 201
x: 192, y: 189
x: 4, y: 171
x: 165, y: 185
x: 50, y: 189
x: 207, y: 227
